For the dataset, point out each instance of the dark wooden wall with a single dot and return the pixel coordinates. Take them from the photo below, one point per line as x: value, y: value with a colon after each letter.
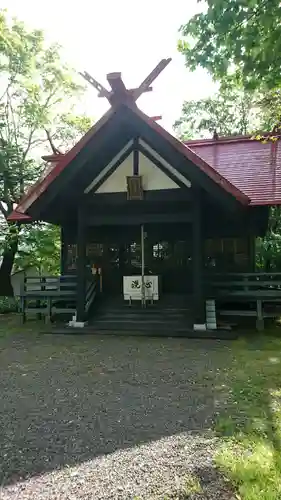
x: 228, y: 236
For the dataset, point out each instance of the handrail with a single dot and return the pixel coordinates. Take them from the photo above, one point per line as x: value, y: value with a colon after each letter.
x: 91, y: 292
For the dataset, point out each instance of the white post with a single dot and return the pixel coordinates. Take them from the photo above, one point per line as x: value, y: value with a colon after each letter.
x: 142, y: 266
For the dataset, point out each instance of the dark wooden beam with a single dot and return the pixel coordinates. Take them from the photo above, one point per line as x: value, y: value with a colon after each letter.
x: 151, y: 77
x: 161, y: 195
x: 81, y: 265
x: 136, y: 219
x: 155, y: 118
x: 119, y: 92
x: 147, y: 89
x: 198, y: 262
x: 103, y: 93
x: 136, y: 157
x: 116, y: 83
x: 100, y: 88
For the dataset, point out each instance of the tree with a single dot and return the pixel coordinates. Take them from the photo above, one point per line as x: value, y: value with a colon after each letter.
x: 232, y: 36
x: 37, y: 93
x: 268, y: 248
x: 232, y: 111
x: 236, y: 111
x: 39, y: 247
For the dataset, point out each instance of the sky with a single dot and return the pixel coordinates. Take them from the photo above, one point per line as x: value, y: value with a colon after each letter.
x: 124, y: 35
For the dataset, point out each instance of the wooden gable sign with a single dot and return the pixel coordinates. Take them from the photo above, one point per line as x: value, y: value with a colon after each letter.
x: 134, y: 187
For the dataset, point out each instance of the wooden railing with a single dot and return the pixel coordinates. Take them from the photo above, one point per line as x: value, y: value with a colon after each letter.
x: 260, y: 294
x: 244, y: 285
x: 48, y: 295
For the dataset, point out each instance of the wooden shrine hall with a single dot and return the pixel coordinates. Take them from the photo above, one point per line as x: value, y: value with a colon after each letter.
x: 147, y: 217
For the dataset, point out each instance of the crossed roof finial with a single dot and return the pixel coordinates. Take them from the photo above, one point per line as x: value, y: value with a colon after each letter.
x: 119, y: 93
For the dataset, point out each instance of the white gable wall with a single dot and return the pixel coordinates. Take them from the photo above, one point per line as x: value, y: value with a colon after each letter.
x: 152, y: 177
x: 165, y: 164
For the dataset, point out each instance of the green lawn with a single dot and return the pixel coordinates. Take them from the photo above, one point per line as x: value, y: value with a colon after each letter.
x: 11, y: 324
x: 250, y: 426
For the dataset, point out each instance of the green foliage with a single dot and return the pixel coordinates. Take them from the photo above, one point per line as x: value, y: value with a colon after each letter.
x: 9, y: 305
x: 240, y: 37
x: 39, y: 248
x: 68, y: 127
x: 38, y: 93
x: 270, y: 104
x: 268, y: 248
x: 36, y: 87
x: 232, y: 111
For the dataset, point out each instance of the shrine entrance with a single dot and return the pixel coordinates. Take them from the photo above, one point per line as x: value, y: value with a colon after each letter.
x: 142, y: 256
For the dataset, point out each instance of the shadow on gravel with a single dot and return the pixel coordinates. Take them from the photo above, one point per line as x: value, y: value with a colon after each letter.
x: 66, y: 400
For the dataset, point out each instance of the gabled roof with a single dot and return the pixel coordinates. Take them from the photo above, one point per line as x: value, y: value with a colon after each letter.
x: 253, y: 167
x: 188, y: 153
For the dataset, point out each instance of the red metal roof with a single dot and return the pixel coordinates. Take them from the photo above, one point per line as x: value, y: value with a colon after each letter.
x: 252, y: 167
x: 18, y: 216
x: 200, y: 162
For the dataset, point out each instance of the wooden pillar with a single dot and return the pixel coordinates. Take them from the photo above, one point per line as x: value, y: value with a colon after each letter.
x: 81, y: 265
x: 63, y: 251
x: 136, y: 157
x: 149, y: 253
x: 252, y: 253
x: 198, y: 265
x: 122, y: 257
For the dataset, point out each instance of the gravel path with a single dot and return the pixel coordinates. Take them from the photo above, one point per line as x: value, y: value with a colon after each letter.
x: 109, y: 418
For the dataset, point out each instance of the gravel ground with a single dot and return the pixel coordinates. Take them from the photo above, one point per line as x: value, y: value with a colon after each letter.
x: 109, y: 418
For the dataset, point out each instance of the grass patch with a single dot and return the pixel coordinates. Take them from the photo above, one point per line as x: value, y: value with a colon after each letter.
x: 250, y: 454
x: 11, y: 324
x: 192, y: 485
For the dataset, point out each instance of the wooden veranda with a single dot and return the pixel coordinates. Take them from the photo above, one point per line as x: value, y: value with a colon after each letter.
x: 235, y: 295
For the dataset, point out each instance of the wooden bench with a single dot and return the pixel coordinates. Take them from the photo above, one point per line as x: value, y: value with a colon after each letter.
x: 48, y: 295
x: 258, y: 289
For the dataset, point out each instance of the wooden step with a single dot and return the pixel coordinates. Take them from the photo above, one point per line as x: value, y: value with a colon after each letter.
x: 139, y: 316
x: 124, y: 323
x: 186, y: 332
